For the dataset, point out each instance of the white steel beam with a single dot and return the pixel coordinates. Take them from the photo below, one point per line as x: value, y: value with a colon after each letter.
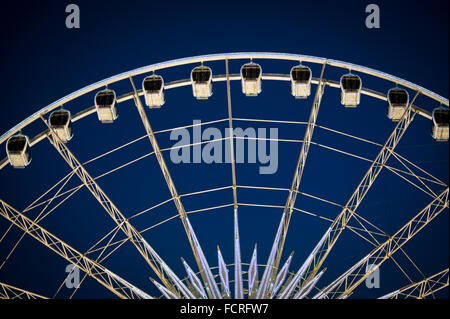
x: 120, y: 287
x: 223, y: 273
x: 352, y: 278
x: 217, y: 78
x: 160, y: 268
x: 281, y: 276
x: 166, y: 292
x: 421, y: 289
x: 11, y: 292
x: 230, y: 126
x: 219, y: 57
x: 289, y: 287
x: 195, y: 281
x: 211, y: 285
x: 293, y: 191
x: 238, y: 282
x: 253, y: 273
x: 265, y: 280
x: 340, y: 222
x: 304, y: 291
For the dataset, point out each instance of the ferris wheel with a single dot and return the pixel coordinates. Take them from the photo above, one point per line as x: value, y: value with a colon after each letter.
x: 260, y: 277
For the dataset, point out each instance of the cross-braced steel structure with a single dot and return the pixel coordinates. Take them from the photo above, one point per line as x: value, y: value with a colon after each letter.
x: 277, y: 280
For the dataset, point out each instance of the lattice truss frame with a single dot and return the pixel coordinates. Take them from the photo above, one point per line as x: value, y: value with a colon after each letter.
x: 276, y: 281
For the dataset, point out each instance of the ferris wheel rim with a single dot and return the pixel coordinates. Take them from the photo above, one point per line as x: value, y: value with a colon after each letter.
x: 321, y: 84
x: 219, y: 57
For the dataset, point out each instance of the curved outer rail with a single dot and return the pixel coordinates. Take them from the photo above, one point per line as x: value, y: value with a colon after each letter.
x: 217, y: 78
x: 220, y: 57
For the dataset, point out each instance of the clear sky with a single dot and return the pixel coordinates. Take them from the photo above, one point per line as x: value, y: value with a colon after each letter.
x: 42, y: 61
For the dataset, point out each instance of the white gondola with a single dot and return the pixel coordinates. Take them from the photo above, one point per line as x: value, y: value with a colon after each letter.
x: 300, y: 81
x: 60, y: 122
x: 398, y: 100
x: 439, y: 128
x: 251, y: 75
x: 105, y: 104
x: 153, y: 88
x: 18, y: 150
x: 201, y: 78
x: 350, y: 90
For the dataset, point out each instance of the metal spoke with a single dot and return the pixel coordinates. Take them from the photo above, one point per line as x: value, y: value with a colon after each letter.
x: 213, y: 282
x: 357, y: 273
x: 223, y: 274
x: 148, y: 253
x: 11, y: 292
x: 105, y: 277
x: 277, y: 247
x: 301, y: 163
x: 202, y: 264
x: 327, y: 242
x: 238, y: 284
x: 421, y: 289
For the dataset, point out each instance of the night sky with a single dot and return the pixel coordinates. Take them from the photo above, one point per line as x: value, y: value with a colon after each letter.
x: 42, y: 61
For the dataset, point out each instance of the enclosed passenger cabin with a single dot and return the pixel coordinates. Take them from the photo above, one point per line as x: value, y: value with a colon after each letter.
x: 153, y: 87
x: 251, y: 74
x: 398, y: 100
x: 439, y: 128
x: 18, y: 150
x: 105, y: 103
x: 60, y: 122
x: 300, y: 81
x: 350, y: 90
x: 201, y: 78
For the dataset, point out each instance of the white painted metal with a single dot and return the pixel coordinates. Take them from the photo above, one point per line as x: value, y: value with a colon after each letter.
x: 106, y: 278
x: 11, y: 292
x: 253, y: 273
x: 281, y: 277
x: 293, y: 283
x: 266, y: 278
x: 166, y: 292
x: 211, y: 285
x: 219, y: 57
x: 210, y: 282
x: 148, y: 253
x: 353, y: 277
x: 273, y: 280
x: 304, y: 291
x: 421, y: 289
x: 301, y: 162
x: 195, y: 281
x: 361, y: 190
x: 233, y: 77
x: 238, y: 282
x: 223, y: 273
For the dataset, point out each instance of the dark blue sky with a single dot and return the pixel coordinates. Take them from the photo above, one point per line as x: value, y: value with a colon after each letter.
x: 42, y: 60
